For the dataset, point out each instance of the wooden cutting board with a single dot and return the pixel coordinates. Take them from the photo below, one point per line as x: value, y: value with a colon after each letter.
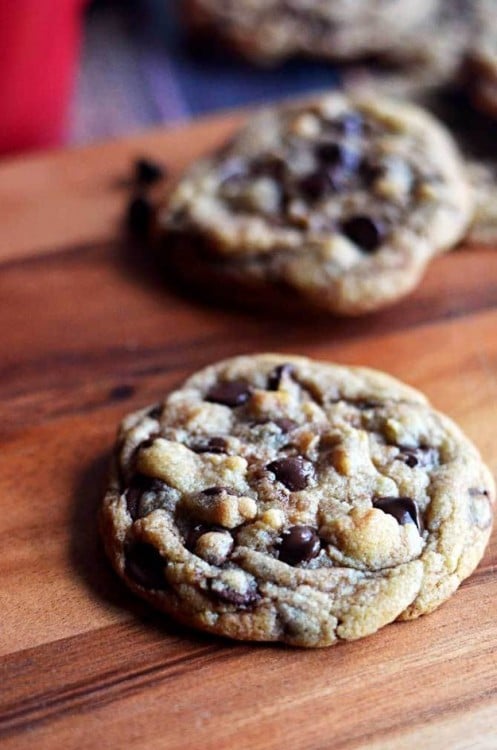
x: 89, y: 333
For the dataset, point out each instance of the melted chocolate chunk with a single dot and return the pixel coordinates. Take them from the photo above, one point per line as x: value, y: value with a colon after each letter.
x: 132, y: 496
x: 364, y: 231
x: 364, y: 404
x: 145, y: 566
x: 155, y: 412
x: 230, y: 393
x: 193, y: 535
x: 330, y: 152
x: 211, y: 445
x: 139, y: 487
x: 269, y: 166
x: 148, y: 442
x: 243, y: 601
x: 299, y: 544
x: 335, y: 154
x: 317, y: 184
x: 139, y: 216
x: 371, y: 171
x: 425, y: 458
x: 148, y: 172
x: 278, y: 375
x: 403, y: 509
x: 294, y: 473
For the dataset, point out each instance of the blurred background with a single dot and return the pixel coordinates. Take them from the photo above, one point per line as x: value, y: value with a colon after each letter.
x: 74, y: 71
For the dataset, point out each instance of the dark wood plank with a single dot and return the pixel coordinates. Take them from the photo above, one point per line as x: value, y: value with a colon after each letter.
x: 89, y: 332
x: 113, y: 314
x: 196, y: 691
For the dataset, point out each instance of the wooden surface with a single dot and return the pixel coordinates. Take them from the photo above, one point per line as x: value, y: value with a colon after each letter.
x: 88, y: 333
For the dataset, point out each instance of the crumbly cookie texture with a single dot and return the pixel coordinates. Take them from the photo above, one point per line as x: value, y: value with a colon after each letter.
x: 340, y: 200
x: 268, y: 31
x: 275, y: 498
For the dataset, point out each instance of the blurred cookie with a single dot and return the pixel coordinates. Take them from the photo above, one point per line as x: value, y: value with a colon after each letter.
x: 271, y: 30
x: 336, y: 203
x: 275, y: 498
x: 480, y: 68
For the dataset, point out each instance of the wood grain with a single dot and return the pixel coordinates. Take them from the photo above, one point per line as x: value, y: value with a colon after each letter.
x: 90, y: 332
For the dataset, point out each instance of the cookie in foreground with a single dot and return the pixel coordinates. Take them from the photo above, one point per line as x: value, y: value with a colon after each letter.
x: 277, y: 498
x: 336, y: 203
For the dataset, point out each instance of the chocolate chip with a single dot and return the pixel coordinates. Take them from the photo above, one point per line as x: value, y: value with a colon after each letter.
x: 210, y: 445
x: 148, y: 442
x: 409, y: 457
x: 280, y: 373
x: 140, y: 486
x: 147, y: 172
x: 337, y: 155
x: 230, y: 393
x: 139, y: 216
x: 121, y: 392
x: 194, y: 534
x: 425, y: 458
x: 247, y: 599
x: 371, y: 171
x: 145, y: 566
x: 329, y: 152
x: 365, y: 404
x: 403, y: 509
x: 286, y: 425
x: 316, y: 184
x: 299, y: 544
x: 364, y: 231
x: 294, y: 473
x: 155, y: 412
x: 133, y: 495
x: 269, y: 166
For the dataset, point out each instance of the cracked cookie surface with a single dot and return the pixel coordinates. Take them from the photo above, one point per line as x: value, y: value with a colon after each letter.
x: 268, y: 31
x: 337, y: 203
x: 276, y: 498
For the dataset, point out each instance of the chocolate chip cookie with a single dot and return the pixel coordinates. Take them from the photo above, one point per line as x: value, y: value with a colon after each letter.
x: 480, y: 68
x: 275, y: 498
x: 338, y: 202
x: 268, y: 31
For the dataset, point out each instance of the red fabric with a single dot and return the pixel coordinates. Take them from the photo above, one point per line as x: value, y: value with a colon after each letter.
x: 39, y: 42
